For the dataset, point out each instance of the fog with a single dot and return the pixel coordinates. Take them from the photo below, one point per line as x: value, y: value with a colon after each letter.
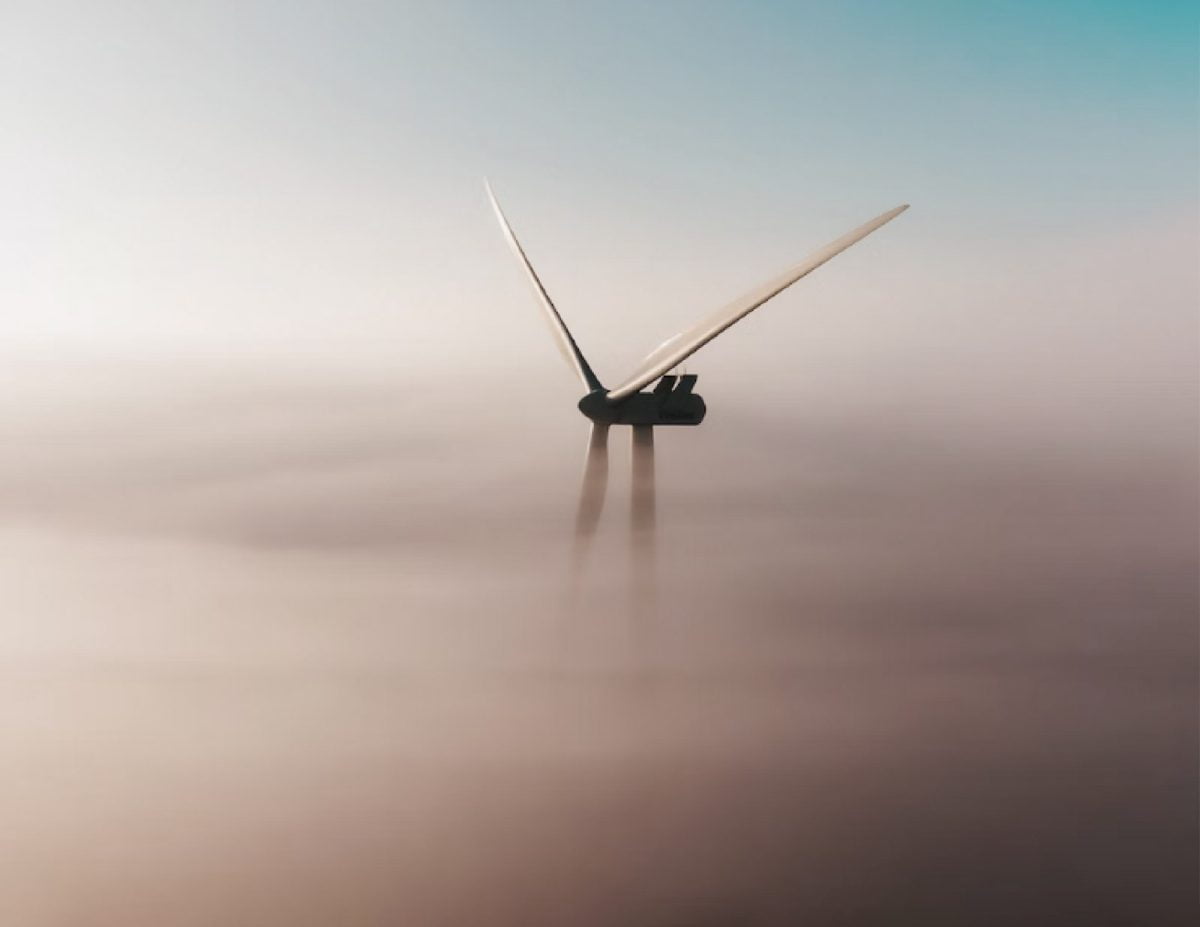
x: 288, y: 466
x: 292, y: 642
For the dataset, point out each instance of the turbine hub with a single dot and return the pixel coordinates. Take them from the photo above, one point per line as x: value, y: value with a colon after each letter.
x: 595, y: 405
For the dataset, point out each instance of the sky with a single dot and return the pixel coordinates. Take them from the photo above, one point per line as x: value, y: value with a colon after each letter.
x: 192, y: 174
x: 289, y: 464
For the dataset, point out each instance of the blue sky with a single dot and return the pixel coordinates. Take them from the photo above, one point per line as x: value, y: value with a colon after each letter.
x: 1028, y: 100
x: 294, y: 167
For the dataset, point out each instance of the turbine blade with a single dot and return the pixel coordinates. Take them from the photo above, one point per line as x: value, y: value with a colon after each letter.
x: 593, y: 488
x: 643, y: 550
x: 558, y: 328
x: 643, y: 499
x: 676, y: 349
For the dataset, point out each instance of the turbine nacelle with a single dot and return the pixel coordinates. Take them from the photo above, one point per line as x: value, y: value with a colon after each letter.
x: 671, y: 402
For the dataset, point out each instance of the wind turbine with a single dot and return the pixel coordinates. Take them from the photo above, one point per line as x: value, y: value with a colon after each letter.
x: 672, y: 401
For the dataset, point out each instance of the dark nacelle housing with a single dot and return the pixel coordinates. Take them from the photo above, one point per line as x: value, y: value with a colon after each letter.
x: 671, y: 403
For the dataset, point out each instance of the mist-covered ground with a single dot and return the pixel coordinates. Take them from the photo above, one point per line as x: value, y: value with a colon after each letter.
x: 291, y: 645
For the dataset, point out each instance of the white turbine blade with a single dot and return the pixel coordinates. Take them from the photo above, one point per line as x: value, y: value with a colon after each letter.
x: 591, y: 503
x: 643, y: 549
x: 642, y: 503
x: 562, y: 336
x: 681, y: 346
x: 593, y: 486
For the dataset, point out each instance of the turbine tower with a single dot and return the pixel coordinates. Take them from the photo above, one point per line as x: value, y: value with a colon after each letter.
x: 671, y: 401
